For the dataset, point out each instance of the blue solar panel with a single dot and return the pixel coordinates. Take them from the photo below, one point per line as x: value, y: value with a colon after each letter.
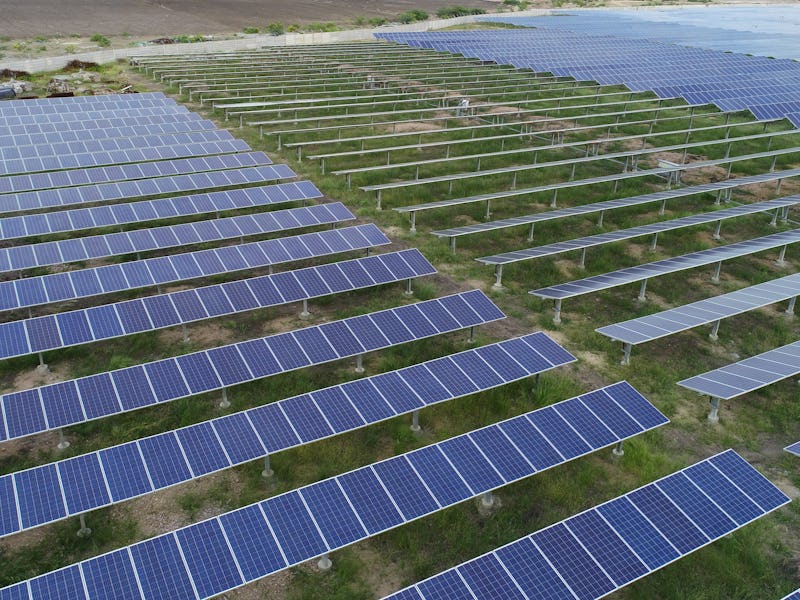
x: 298, y: 528
x: 794, y: 448
x: 246, y: 435
x: 607, y: 547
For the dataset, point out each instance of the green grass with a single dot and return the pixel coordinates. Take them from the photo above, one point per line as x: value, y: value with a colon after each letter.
x: 752, y: 563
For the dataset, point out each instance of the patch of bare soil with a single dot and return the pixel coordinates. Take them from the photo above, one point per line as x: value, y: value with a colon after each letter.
x: 500, y: 110
x: 383, y: 576
x: 413, y: 126
x: 160, y: 512
x: 205, y: 335
x: 155, y: 18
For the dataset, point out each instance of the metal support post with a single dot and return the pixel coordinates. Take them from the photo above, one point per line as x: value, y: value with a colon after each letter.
x: 600, y: 218
x: 715, y: 276
x: 498, y: 277
x: 530, y: 233
x: 582, y: 263
x: 305, y: 314
x: 360, y: 363
x: 626, y: 354
x: 63, y: 443
x: 716, y: 231
x: 379, y: 200
x: 453, y: 244
x: 774, y: 221
x: 324, y: 563
x: 553, y: 201
x: 713, y: 415
x: 84, y: 531
x: 415, y: 422
x: 42, y: 366
x: 642, y: 291
x: 267, y: 472
x: 471, y: 338
x: 185, y: 333
x: 653, y: 242
x: 224, y: 403
x: 408, y: 291
x: 413, y: 228
x: 790, y: 309
x: 487, y: 500
x: 781, y: 258
x: 488, y: 214
x: 618, y: 451
x: 714, y: 335
x: 557, y: 311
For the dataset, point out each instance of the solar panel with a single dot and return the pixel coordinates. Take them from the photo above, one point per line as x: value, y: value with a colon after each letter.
x: 596, y: 207
x: 111, y: 144
x: 747, y: 375
x: 327, y: 515
x: 125, y: 389
x: 711, y: 310
x: 233, y: 439
x: 712, y: 216
x: 142, y: 211
x: 89, y: 115
x: 85, y: 283
x: 88, y: 125
x: 166, y: 310
x: 118, y: 157
x: 109, y: 192
x: 669, y: 265
x: 90, y: 135
x: 169, y: 236
x: 608, y: 547
x: 99, y: 175
x: 794, y: 448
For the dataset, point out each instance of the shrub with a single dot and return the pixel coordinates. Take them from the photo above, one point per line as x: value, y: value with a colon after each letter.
x: 447, y: 12
x: 377, y: 21
x: 412, y: 16
x: 275, y: 29
x: 100, y: 40
x: 319, y: 27
x: 359, y: 21
x: 293, y: 28
x: 250, y: 30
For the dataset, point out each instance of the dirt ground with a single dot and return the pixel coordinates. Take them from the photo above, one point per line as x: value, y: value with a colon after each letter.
x: 24, y: 18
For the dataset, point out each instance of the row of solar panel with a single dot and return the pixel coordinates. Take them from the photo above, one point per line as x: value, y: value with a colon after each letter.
x: 93, y: 281
x: 127, y: 172
x: 119, y: 319
x: 17, y: 152
x: 747, y: 375
x: 81, y: 103
x: 659, y: 67
x: 117, y: 157
x: 143, y: 211
x: 107, y: 192
x: 79, y: 400
x: 43, y: 494
x: 713, y: 216
x: 595, y: 207
x: 97, y: 124
x: 607, y: 547
x: 88, y: 100
x: 668, y: 265
x: 158, y: 238
x: 93, y: 115
x: 703, y: 312
x: 82, y: 135
x: 210, y: 557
